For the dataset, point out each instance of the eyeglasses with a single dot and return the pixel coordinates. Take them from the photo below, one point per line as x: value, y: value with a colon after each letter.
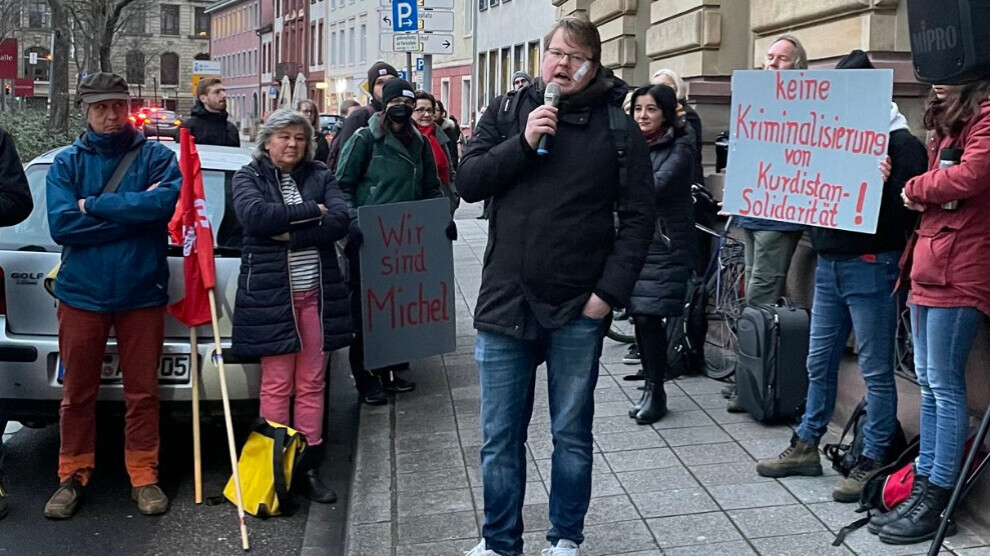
x: 429, y: 111
x: 571, y: 57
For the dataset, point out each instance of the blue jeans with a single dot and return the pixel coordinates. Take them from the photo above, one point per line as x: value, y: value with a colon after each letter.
x: 854, y: 294
x: 507, y: 368
x: 943, y: 338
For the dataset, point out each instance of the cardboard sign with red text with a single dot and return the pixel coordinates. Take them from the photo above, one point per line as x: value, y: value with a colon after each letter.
x: 407, y: 282
x: 805, y: 146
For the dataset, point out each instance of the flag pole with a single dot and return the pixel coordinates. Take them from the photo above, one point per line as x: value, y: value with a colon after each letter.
x: 226, y: 416
x: 194, y: 376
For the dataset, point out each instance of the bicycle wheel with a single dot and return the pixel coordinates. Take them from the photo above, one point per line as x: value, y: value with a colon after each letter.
x: 903, y: 346
x: 620, y: 327
x: 725, y: 304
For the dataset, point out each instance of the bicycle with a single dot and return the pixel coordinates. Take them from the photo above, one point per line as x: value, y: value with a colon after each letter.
x: 725, y: 279
x: 620, y: 327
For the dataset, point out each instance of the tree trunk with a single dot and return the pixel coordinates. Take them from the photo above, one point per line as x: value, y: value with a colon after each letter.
x: 58, y: 116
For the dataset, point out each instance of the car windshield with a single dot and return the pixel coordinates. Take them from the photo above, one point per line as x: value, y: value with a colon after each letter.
x: 33, y: 235
x: 164, y: 115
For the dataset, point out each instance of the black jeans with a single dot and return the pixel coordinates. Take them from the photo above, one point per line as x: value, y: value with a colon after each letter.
x: 651, y: 337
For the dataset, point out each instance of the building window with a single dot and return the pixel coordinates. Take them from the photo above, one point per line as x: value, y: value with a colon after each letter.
x: 492, y: 75
x: 482, y: 5
x: 201, y: 23
x: 506, y: 60
x: 170, y: 19
x: 465, y: 101
x: 36, y: 63
x: 319, y: 45
x: 38, y: 14
x: 312, y: 44
x: 135, y: 67
x: 468, y: 22
x: 350, y: 40
x: 445, y: 94
x: 333, y: 48
x: 534, y: 59
x: 135, y: 22
x: 364, y: 42
x: 169, y: 69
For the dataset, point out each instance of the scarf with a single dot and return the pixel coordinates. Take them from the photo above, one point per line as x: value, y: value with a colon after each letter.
x: 443, y: 165
x: 653, y: 137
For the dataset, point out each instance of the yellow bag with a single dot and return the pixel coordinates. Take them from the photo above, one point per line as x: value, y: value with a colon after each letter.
x: 267, y: 463
x: 49, y: 281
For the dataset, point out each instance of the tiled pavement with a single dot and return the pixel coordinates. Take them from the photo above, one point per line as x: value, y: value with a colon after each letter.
x: 684, y: 486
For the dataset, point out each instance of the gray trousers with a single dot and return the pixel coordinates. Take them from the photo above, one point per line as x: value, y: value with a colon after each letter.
x: 768, y: 257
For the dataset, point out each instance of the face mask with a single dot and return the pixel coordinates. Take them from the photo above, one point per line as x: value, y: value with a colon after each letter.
x: 399, y: 114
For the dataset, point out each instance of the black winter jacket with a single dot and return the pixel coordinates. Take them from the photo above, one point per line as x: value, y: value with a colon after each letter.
x: 359, y: 118
x: 694, y: 121
x: 264, y: 321
x: 322, y: 147
x: 662, y: 284
x: 15, y: 194
x: 552, y: 240
x: 211, y: 128
x: 895, y: 224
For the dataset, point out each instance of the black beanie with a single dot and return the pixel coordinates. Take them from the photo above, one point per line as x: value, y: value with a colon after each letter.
x: 397, y: 88
x: 857, y: 59
x: 378, y: 70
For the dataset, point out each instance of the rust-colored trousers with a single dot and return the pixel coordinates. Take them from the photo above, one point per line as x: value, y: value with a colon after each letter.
x: 82, y: 340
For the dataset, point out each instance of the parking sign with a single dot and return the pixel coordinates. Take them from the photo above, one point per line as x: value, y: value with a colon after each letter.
x: 404, y: 16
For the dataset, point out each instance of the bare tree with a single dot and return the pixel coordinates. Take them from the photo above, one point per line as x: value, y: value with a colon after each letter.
x: 96, y: 23
x: 58, y: 117
x: 11, y: 12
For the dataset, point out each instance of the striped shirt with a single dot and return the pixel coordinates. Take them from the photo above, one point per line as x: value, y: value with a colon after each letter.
x: 304, y: 265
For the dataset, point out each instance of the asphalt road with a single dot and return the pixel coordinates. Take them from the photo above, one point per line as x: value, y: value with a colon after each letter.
x: 108, y: 521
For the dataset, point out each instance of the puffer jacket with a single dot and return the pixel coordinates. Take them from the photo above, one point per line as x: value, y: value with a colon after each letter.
x: 377, y: 169
x: 662, y: 284
x: 264, y: 320
x: 947, y: 257
x: 211, y: 128
x: 114, y: 254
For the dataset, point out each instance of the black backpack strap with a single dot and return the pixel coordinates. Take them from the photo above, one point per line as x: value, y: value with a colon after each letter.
x: 507, y: 118
x: 118, y: 174
x: 835, y: 452
x: 840, y: 537
x: 618, y: 128
x: 280, y: 436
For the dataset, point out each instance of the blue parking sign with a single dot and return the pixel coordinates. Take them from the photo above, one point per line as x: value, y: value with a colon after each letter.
x: 420, y: 64
x: 403, y: 75
x: 404, y: 16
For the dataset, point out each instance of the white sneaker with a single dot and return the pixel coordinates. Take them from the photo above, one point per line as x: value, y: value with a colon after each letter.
x: 480, y: 550
x: 564, y: 548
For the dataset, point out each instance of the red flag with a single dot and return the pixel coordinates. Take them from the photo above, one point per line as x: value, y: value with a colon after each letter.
x: 191, y: 226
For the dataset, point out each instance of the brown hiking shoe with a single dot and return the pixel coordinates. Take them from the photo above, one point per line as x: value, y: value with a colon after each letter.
x: 800, y: 458
x: 64, y: 503
x: 150, y: 499
x: 849, y: 488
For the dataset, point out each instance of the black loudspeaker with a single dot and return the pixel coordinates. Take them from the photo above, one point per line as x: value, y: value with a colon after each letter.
x: 950, y: 40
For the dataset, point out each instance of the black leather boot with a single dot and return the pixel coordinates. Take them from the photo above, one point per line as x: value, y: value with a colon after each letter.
x: 310, y: 485
x: 654, y: 402
x: 638, y: 405
x: 921, y: 523
x: 917, y: 493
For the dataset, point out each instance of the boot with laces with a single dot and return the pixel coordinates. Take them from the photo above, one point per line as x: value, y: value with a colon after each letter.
x: 849, y: 488
x: 563, y: 547
x: 800, y: 458
x: 917, y: 493
x: 921, y: 523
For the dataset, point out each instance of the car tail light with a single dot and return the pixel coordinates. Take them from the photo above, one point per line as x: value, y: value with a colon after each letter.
x: 132, y: 119
x: 147, y: 121
x: 177, y: 123
x: 3, y: 293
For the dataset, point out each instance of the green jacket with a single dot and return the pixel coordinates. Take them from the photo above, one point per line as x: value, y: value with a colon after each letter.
x: 377, y: 169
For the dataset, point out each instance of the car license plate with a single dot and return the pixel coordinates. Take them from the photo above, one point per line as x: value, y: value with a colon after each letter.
x: 173, y: 368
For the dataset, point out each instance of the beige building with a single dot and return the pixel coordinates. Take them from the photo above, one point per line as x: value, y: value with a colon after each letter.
x: 153, y: 49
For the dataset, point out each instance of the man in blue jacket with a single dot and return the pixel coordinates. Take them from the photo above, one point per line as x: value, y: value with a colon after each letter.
x: 114, y: 274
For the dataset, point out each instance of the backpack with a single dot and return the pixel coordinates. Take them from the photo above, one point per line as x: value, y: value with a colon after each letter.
x: 266, y: 466
x: 843, y: 456
x: 890, y: 486
x: 507, y: 120
x: 686, y: 333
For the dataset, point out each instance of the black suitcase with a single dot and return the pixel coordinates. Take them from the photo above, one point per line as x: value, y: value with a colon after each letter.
x: 772, y: 373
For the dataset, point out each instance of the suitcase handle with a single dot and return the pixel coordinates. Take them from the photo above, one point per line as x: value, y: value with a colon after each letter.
x: 786, y: 302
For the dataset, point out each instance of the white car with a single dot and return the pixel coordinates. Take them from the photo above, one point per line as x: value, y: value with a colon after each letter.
x: 30, y: 367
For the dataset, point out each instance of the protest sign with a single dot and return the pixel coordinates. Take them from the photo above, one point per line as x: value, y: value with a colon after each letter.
x: 407, y: 282
x: 805, y: 146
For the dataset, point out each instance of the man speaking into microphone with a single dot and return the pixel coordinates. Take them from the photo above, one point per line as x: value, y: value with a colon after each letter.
x: 554, y: 268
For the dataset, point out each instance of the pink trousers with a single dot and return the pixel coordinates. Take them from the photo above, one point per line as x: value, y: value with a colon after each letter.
x: 300, y: 374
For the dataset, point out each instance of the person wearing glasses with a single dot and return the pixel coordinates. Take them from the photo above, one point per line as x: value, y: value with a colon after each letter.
x: 554, y: 268
x: 424, y: 117
x: 308, y: 109
x: 384, y: 163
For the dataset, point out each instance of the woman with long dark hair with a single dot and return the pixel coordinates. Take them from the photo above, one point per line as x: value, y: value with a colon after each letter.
x: 662, y: 284
x: 950, y: 296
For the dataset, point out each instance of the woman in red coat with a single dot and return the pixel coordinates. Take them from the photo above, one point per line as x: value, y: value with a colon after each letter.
x: 949, y: 269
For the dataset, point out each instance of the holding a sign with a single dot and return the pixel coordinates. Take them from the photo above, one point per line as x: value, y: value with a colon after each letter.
x: 805, y: 146
x: 407, y: 282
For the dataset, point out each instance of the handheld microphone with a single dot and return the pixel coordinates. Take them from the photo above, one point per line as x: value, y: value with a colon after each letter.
x: 551, y: 97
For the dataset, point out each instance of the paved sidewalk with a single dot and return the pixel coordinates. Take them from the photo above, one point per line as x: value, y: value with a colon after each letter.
x: 684, y: 486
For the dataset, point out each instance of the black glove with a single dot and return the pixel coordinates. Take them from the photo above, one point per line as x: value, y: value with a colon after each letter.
x: 355, y: 237
x: 451, y: 231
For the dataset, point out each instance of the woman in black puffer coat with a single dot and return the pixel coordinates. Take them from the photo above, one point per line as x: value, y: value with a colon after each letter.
x: 292, y: 306
x: 662, y: 284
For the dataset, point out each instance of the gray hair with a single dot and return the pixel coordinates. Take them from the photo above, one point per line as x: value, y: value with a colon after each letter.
x: 680, y: 89
x: 800, y: 56
x: 279, y: 120
x: 303, y: 102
